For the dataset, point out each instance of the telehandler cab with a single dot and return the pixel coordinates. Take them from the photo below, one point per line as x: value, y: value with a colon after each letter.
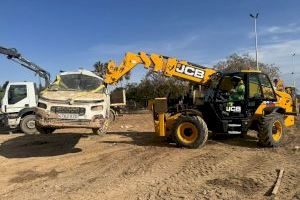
x: 231, y: 103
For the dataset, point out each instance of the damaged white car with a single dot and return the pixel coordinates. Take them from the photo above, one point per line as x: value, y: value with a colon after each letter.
x: 77, y: 99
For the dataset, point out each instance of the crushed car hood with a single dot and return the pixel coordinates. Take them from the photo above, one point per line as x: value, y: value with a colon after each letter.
x: 72, y: 95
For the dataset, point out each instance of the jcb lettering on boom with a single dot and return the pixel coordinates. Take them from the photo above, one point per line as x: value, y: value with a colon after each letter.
x: 190, y: 71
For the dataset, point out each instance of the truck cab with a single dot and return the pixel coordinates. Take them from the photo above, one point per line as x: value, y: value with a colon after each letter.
x: 18, y: 105
x: 78, y: 99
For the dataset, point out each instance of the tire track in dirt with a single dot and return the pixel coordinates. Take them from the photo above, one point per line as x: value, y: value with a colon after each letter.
x: 77, y: 175
x: 196, y: 167
x: 225, y: 175
x: 138, y: 166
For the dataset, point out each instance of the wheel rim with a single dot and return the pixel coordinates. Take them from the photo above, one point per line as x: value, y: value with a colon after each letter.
x: 187, y: 132
x: 276, y: 130
x: 30, y: 124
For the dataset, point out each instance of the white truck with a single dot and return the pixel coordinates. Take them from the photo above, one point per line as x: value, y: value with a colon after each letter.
x: 17, y: 106
x: 20, y: 98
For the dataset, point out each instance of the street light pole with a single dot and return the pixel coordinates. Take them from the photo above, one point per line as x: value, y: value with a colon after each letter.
x: 256, y: 50
x: 293, y: 72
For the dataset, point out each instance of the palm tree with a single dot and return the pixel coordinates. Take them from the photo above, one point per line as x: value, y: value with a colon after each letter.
x: 100, y: 69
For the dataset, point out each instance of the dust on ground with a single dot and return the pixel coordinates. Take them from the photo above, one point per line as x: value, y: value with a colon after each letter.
x: 130, y: 162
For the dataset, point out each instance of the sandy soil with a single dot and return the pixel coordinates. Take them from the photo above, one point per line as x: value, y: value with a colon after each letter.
x: 132, y: 163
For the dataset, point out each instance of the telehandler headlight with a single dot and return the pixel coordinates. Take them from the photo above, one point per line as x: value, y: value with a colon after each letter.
x: 97, y: 108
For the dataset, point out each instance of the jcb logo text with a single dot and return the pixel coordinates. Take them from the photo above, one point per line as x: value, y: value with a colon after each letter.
x: 190, y: 71
x: 236, y: 109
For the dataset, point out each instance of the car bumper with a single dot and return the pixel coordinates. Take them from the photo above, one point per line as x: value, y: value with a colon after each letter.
x: 52, y: 120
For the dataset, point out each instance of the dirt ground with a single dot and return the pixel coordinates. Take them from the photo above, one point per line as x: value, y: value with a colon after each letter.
x: 132, y: 163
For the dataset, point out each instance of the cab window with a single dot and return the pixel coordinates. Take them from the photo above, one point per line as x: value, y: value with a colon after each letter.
x: 254, y: 87
x: 232, y: 88
x: 267, y: 88
x: 16, y: 93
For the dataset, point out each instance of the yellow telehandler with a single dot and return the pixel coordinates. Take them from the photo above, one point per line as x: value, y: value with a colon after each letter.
x: 232, y: 103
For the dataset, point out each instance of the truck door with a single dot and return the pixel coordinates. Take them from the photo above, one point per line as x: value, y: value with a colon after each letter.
x: 16, y: 98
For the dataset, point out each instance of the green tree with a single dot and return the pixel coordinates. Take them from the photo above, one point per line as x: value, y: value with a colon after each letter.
x: 132, y: 91
x: 237, y: 62
x: 100, y: 68
x: 159, y: 85
x: 156, y: 85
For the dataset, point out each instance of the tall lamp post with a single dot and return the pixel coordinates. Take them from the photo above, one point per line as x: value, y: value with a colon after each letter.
x: 256, y: 51
x: 293, y: 72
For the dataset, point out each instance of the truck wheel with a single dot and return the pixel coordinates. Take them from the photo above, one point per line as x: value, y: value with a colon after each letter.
x: 190, y: 132
x: 27, y: 124
x: 103, y: 130
x: 112, y: 115
x: 271, y: 129
x: 44, y: 130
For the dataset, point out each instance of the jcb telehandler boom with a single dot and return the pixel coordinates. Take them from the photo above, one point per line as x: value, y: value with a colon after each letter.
x: 233, y: 103
x: 158, y: 63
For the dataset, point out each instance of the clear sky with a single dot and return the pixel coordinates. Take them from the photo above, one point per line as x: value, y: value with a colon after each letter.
x: 66, y: 35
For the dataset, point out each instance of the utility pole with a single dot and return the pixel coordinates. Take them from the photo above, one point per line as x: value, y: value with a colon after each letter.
x: 293, y: 72
x: 256, y: 51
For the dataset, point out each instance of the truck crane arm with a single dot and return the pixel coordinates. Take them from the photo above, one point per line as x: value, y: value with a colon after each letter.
x: 169, y: 66
x: 14, y: 55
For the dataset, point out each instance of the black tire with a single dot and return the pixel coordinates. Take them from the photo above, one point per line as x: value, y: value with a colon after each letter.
x: 44, y: 130
x: 112, y: 115
x: 27, y: 125
x: 270, y: 134
x: 103, y: 130
x: 190, y: 132
x: 244, y: 134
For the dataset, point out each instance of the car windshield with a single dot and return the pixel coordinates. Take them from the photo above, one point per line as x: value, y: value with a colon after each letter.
x: 76, y: 82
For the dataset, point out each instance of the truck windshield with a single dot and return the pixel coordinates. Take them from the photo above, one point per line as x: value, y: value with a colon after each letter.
x: 76, y: 82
